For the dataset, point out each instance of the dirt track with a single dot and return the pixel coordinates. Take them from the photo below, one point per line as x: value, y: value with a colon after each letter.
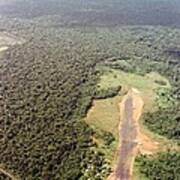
x: 7, y: 174
x: 132, y: 139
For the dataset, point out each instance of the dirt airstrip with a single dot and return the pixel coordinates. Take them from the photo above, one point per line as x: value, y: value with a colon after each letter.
x: 132, y: 140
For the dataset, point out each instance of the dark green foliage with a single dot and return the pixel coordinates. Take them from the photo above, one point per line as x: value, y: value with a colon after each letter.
x: 43, y: 87
x: 108, y: 93
x: 163, y: 166
x: 160, y: 82
x: 4, y: 177
x: 107, y: 137
x: 165, y: 122
x: 47, y: 85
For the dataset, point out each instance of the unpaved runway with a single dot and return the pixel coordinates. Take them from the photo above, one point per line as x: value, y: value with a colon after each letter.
x: 131, y: 109
x: 128, y: 138
x: 133, y: 140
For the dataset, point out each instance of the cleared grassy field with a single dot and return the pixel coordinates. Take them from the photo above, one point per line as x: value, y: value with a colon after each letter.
x: 147, y: 84
x: 104, y: 114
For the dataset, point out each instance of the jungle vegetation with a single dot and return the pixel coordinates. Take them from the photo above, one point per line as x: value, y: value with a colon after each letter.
x: 48, y: 82
x: 163, y: 166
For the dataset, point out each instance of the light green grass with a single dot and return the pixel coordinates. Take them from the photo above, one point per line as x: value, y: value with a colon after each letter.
x: 113, y: 78
x: 149, y: 91
x: 105, y: 113
x: 145, y: 84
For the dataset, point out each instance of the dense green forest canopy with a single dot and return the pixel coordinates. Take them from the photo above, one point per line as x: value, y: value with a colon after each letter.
x: 164, y: 166
x: 48, y: 79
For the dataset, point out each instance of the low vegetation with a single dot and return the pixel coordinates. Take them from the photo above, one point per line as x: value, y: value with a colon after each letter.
x: 147, y: 84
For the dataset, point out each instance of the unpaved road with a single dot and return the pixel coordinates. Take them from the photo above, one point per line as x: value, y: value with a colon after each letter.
x: 132, y: 140
x: 130, y: 111
x: 7, y: 174
x: 128, y: 141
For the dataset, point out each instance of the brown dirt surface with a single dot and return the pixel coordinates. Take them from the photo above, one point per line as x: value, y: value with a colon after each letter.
x: 133, y: 140
x: 3, y: 171
x: 145, y: 144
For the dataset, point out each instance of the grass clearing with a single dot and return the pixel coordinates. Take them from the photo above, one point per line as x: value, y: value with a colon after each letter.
x: 104, y: 114
x: 145, y: 84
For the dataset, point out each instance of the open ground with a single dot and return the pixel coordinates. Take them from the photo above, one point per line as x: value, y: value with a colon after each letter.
x: 108, y: 115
